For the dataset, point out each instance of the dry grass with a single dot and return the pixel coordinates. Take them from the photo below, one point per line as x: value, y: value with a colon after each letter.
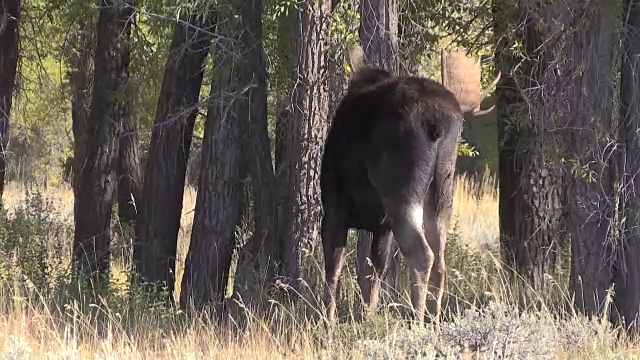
x: 34, y: 326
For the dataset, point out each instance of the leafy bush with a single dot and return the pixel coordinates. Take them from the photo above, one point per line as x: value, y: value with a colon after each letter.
x: 470, y: 273
x: 29, y: 246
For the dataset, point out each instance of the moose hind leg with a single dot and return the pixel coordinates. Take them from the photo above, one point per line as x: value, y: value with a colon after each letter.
x: 369, y: 277
x: 439, y: 207
x: 436, y: 239
x: 409, y: 234
x: 334, y: 242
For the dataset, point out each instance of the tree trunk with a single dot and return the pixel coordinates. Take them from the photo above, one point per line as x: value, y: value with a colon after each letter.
x: 97, y: 188
x: 410, y: 44
x: 306, y: 130
x: 9, y: 40
x: 530, y: 179
x: 379, y: 39
x: 628, y: 269
x: 379, y: 33
x: 129, y: 172
x: 256, y: 260
x: 129, y: 180
x: 80, y: 62
x: 219, y: 186
x: 164, y: 176
x: 590, y: 184
x: 508, y: 100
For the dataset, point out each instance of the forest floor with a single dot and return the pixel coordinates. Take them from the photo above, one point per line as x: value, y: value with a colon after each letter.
x: 488, y: 316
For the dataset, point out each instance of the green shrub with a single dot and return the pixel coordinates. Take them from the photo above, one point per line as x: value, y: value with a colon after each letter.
x: 30, y: 249
x: 470, y: 273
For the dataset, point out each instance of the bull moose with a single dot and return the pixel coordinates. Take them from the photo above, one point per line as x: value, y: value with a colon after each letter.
x: 388, y: 168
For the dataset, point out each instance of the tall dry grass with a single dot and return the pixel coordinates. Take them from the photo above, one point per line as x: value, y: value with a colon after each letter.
x: 486, y: 317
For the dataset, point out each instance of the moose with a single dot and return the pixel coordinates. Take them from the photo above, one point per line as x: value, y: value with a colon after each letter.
x: 388, y: 168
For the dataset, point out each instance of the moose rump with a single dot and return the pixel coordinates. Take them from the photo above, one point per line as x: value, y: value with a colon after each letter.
x: 388, y: 168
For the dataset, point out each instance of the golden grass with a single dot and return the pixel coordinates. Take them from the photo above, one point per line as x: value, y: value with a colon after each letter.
x: 36, y: 329
x: 475, y: 206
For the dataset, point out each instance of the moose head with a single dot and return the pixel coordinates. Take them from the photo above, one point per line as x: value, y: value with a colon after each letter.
x: 461, y: 74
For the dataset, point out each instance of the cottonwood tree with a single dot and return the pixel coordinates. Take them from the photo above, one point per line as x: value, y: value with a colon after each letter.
x: 530, y: 178
x: 79, y: 50
x: 9, y: 41
x: 627, y: 275
x: 590, y: 151
x: 164, y: 176
x: 236, y: 143
x: 256, y: 259
x: 128, y: 171
x: 218, y: 206
x: 108, y: 108
x: 305, y: 129
x: 80, y: 60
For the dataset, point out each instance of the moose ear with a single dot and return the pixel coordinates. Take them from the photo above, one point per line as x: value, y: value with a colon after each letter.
x: 461, y: 75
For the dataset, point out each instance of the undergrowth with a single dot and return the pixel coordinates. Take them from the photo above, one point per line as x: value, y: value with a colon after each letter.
x: 46, y: 313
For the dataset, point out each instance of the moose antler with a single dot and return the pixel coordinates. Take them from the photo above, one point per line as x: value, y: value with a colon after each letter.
x: 477, y: 111
x: 461, y: 75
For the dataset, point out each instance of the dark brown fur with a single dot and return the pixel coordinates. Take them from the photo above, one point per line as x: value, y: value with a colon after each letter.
x: 390, y: 152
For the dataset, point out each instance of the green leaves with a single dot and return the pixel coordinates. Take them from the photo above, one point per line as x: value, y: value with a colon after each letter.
x: 281, y: 8
x: 464, y: 149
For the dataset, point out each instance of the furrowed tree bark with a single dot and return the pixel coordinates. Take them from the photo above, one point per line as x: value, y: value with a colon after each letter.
x: 97, y: 188
x: 627, y: 275
x: 286, y: 51
x: 256, y: 260
x: 379, y: 33
x: 508, y: 100
x: 379, y: 39
x: 129, y: 193
x: 589, y: 190
x: 81, y: 64
x: 306, y: 130
x: 218, y: 207
x: 530, y: 178
x: 129, y: 180
x: 164, y: 176
x: 128, y: 171
x: 9, y: 41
